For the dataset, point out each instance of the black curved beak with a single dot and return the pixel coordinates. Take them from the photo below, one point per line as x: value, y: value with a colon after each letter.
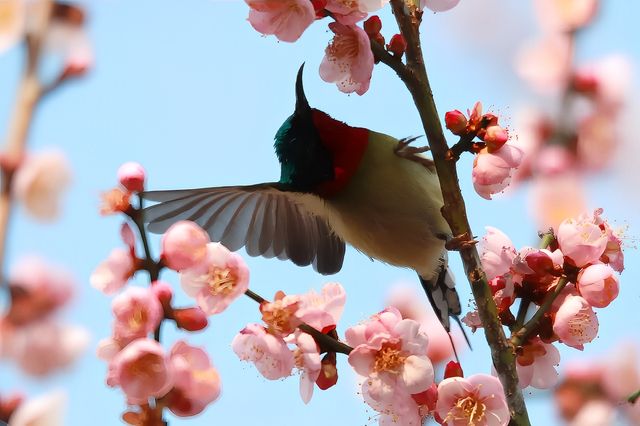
x: 302, y: 105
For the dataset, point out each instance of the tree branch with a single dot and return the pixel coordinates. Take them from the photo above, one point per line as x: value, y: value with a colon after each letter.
x: 408, y: 17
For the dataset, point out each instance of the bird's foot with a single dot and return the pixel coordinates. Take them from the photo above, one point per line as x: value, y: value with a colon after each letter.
x: 460, y: 242
x: 404, y: 150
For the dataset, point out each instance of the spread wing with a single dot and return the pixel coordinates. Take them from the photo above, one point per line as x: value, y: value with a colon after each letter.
x: 264, y: 219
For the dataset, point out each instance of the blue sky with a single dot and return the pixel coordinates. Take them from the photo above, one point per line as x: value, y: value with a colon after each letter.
x: 196, y: 95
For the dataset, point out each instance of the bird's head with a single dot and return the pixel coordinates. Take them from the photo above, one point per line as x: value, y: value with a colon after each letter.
x: 317, y: 153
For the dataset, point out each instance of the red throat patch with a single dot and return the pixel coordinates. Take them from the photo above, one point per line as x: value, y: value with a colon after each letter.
x: 347, y: 146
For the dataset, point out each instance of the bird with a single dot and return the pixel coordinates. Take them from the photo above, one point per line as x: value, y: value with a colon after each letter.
x: 338, y: 184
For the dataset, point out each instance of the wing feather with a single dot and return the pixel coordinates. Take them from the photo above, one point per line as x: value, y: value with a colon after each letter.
x: 265, y: 219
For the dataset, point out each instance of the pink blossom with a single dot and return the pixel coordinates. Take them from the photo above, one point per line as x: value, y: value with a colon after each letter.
x: 621, y: 371
x: 496, y: 253
x: 565, y: 15
x: 575, y: 322
x: 595, y: 413
x: 196, y: 381
x: 554, y: 198
x: 348, y: 59
x: 12, y: 13
x: 286, y: 19
x: 477, y: 400
x: 44, y: 410
x: 307, y: 360
x: 131, y: 175
x: 536, y: 364
x: 37, y: 289
x: 554, y: 159
x: 142, y: 370
x: 112, y: 274
x: 581, y: 240
x: 439, y: 5
x: 280, y: 315
x: 598, y: 139
x: 42, y: 347
x: 370, y: 6
x: 492, y: 171
x: 39, y: 183
x: 322, y: 311
x: 346, y: 12
x: 402, y: 410
x: 381, y: 323
x: 598, y: 284
x: 392, y: 360
x: 190, y: 319
x: 137, y: 313
x: 545, y: 63
x: 269, y: 353
x: 613, y: 254
x: 184, y: 245
x: 612, y: 76
x: 217, y: 281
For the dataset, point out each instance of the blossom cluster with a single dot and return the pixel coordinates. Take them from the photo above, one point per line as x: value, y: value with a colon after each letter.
x: 574, y: 274
x: 585, y: 131
x: 30, y: 333
x: 496, y: 159
x: 348, y: 60
x: 598, y: 391
x: 182, y: 379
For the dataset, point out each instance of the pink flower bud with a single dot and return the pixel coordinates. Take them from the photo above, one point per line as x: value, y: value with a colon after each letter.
x: 456, y: 122
x: 495, y: 137
x: 453, y: 369
x: 397, y: 45
x: 575, y: 322
x: 598, y: 284
x: 428, y: 398
x: 190, y: 319
x: 184, y: 245
x: 162, y: 291
x: 131, y: 175
x: 328, y: 371
x: 372, y: 26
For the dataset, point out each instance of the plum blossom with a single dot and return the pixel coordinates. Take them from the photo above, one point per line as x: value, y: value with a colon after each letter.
x: 142, y: 370
x: 12, y: 22
x: 322, y: 311
x: 581, y: 240
x: 307, y: 360
x: 370, y: 6
x: 269, y: 353
x: 565, y: 15
x: 496, y: 253
x: 595, y: 413
x: 184, y: 245
x: 131, y: 176
x: 137, y: 313
x: 477, y: 400
x: 44, y: 346
x: 44, y: 410
x: 217, y: 281
x: 439, y: 5
x: 544, y: 63
x: 39, y: 183
x: 536, y: 364
x: 402, y: 410
x: 196, y: 381
x: 392, y: 354
x: 598, y: 284
x: 112, y: 274
x: 37, y: 289
x: 492, y: 170
x: 575, y: 322
x: 280, y: 315
x: 286, y: 19
x: 346, y: 12
x: 348, y: 59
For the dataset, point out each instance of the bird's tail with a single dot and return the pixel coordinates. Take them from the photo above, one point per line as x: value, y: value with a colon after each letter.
x: 444, y: 298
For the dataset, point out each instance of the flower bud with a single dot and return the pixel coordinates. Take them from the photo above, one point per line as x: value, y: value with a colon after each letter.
x: 328, y: 372
x: 456, y: 122
x: 131, y: 176
x: 397, y: 45
x: 495, y: 137
x: 184, y: 245
x: 372, y: 26
x: 190, y: 319
x: 163, y: 292
x: 453, y: 369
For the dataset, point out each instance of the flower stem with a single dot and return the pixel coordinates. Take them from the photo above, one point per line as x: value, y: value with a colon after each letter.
x: 28, y: 97
x: 408, y: 17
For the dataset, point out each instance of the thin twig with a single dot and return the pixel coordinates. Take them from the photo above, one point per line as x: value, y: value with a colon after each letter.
x: 326, y: 342
x: 408, y: 18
